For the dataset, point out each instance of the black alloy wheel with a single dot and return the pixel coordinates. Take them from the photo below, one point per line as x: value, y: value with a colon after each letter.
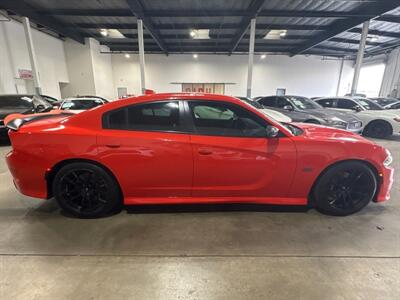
x: 378, y: 129
x: 86, y: 190
x: 345, y: 188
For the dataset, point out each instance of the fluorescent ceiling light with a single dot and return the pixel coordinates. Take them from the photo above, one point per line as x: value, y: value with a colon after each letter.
x: 195, y: 56
x: 127, y: 55
x: 104, y: 32
x: 200, y: 34
x: 263, y: 56
x: 115, y: 34
x: 372, y: 38
x: 275, y: 34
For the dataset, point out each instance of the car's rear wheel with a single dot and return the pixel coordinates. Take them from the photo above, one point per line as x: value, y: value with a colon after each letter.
x: 378, y: 129
x: 345, y: 188
x: 86, y: 190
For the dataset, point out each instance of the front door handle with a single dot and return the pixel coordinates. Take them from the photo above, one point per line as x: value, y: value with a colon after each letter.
x: 205, y: 152
x: 113, y: 145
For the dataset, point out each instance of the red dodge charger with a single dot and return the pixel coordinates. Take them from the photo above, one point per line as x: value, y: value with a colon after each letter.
x: 192, y: 148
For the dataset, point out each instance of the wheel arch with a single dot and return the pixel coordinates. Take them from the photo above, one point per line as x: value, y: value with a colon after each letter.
x: 57, y: 167
x: 367, y: 163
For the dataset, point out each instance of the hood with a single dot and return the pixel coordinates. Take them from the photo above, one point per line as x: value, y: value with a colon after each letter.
x: 276, y: 115
x: 4, y: 112
x: 319, y: 132
x: 328, y: 114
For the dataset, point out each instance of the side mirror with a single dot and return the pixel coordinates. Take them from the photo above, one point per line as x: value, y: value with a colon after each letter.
x: 271, y: 131
x: 288, y: 107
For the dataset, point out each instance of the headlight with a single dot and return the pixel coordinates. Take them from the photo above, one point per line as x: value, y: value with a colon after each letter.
x: 336, y: 122
x: 389, y: 159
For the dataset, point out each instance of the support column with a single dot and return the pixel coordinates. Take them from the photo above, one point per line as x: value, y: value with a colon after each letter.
x: 251, y: 57
x: 141, y: 56
x: 340, y: 77
x: 360, y: 56
x: 32, y: 55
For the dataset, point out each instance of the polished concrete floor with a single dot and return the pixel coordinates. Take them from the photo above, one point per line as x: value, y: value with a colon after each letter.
x: 198, y: 252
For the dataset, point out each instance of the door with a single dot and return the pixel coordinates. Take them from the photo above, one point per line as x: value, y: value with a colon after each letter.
x: 233, y: 157
x: 146, y: 147
x: 347, y: 105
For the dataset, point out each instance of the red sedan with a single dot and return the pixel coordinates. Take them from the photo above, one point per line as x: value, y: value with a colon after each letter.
x: 192, y: 148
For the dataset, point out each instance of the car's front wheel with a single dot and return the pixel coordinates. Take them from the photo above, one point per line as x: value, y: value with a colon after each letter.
x: 378, y: 129
x: 86, y: 190
x: 345, y: 188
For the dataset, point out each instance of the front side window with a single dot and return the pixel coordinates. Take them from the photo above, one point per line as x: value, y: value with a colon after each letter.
x: 159, y: 116
x: 327, y: 102
x: 282, y: 102
x: 224, y: 119
x: 346, y: 104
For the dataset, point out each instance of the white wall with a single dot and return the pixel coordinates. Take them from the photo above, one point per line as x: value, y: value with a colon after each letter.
x: 391, y: 76
x: 308, y: 76
x: 14, y: 55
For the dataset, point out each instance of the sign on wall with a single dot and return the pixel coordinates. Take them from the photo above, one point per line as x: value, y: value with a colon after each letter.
x: 210, y: 88
x: 25, y: 74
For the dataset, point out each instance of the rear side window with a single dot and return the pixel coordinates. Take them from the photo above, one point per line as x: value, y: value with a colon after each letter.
x: 326, y: 102
x: 282, y: 102
x: 160, y: 116
x: 19, y: 101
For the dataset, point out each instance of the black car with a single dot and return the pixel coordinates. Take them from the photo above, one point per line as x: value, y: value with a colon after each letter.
x: 302, y: 109
x: 24, y: 104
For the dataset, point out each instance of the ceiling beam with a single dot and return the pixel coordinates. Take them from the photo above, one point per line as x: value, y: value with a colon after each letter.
x: 339, y: 26
x: 253, y: 10
x: 389, y: 18
x: 136, y: 8
x: 24, y: 9
x: 391, y: 34
x: 207, y: 13
x: 188, y: 26
x: 352, y: 41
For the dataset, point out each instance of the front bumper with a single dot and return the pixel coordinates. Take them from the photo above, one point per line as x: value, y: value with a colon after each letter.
x: 386, y: 176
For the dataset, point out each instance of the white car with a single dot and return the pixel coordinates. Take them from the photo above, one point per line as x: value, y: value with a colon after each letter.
x: 77, y: 105
x: 276, y: 115
x: 377, y: 121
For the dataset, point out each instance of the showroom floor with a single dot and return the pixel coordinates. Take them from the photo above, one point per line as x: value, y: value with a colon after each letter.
x: 246, y: 252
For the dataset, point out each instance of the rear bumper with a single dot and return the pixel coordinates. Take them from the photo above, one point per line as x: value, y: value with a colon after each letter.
x: 386, y: 175
x: 28, y: 176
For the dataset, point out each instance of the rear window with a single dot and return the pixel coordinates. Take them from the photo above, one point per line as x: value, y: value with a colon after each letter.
x: 81, y: 104
x: 16, y: 101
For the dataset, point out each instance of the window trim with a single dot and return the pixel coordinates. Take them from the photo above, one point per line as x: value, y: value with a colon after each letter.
x: 188, y: 116
x: 105, y: 119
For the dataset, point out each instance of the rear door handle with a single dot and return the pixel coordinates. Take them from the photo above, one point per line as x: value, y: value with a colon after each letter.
x: 113, y: 145
x: 205, y: 152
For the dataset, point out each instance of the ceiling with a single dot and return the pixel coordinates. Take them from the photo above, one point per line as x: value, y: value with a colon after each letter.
x: 328, y: 28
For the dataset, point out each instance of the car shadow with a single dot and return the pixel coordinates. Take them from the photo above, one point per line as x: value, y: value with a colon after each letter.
x: 205, y: 208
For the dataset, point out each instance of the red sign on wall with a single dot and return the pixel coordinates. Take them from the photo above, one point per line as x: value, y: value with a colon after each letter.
x: 25, y: 74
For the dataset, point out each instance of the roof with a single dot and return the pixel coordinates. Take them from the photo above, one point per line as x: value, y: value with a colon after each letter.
x: 329, y: 28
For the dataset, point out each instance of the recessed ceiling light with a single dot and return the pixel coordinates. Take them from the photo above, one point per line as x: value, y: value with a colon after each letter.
x: 200, y: 34
x: 127, y: 55
x: 104, y: 32
x: 192, y: 33
x: 263, y: 56
x: 373, y: 38
x: 283, y: 33
x: 195, y: 55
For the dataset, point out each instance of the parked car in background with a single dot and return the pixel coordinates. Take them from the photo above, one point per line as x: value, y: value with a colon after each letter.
x: 302, y: 109
x: 93, y: 97
x: 378, y: 122
x: 24, y: 104
x: 77, y: 105
x: 387, y: 103
x: 219, y: 150
x: 280, y: 117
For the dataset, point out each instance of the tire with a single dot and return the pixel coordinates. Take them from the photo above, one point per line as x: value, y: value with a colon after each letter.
x: 378, y: 129
x: 345, y: 188
x: 85, y: 190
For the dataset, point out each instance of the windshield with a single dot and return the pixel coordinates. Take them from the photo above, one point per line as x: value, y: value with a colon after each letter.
x: 85, y: 104
x: 384, y: 101
x: 303, y: 103
x: 369, y: 105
